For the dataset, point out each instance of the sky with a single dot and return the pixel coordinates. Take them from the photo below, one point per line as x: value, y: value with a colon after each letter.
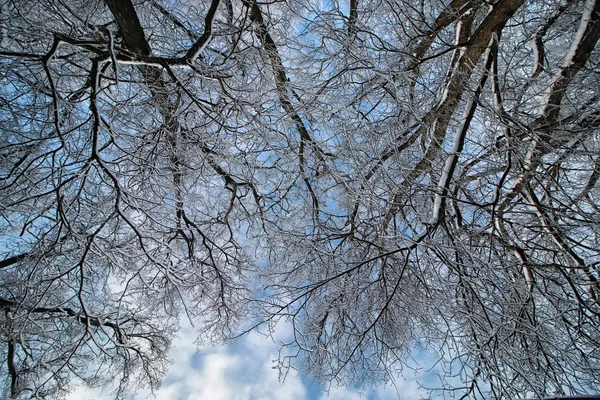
x: 244, y: 371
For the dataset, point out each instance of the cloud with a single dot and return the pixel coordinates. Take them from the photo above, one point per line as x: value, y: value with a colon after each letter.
x: 241, y: 372
x: 244, y: 371
x: 341, y: 393
x: 401, y: 389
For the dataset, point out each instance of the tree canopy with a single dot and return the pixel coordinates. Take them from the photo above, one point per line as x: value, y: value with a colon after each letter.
x: 384, y: 175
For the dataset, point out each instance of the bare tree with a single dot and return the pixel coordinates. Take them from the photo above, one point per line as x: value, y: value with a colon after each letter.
x: 460, y: 211
x: 385, y: 175
x: 123, y: 200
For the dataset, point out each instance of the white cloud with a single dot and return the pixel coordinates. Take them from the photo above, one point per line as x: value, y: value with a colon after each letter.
x: 340, y: 393
x: 241, y: 372
x: 402, y: 389
x: 83, y: 393
x: 245, y: 372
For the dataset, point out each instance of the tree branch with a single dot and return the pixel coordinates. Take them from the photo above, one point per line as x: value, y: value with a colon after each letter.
x: 203, y: 41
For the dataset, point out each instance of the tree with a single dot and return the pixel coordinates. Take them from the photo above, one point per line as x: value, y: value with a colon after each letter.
x: 384, y: 175
x: 118, y: 211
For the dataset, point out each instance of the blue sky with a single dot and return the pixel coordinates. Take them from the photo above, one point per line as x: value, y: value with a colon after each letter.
x: 244, y: 371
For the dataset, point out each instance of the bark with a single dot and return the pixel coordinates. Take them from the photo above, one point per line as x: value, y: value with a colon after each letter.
x: 203, y: 41
x: 585, y: 41
x: 352, y: 17
x: 7, y: 262
x: 451, y: 14
x: 129, y: 25
x: 582, y: 46
x: 459, y: 75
